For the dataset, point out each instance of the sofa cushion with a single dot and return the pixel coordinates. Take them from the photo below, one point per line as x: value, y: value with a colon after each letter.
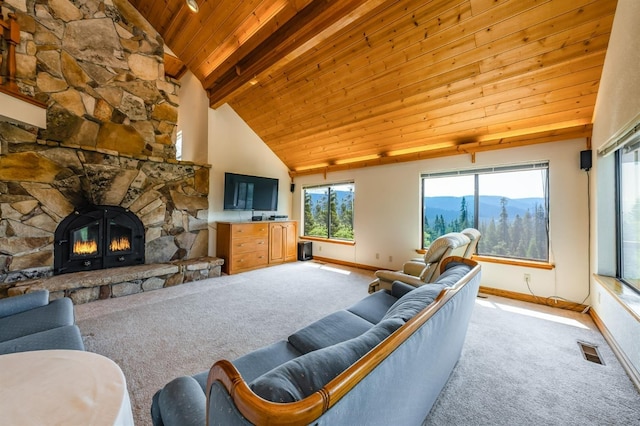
x: 300, y: 377
x: 413, y: 302
x: 56, y: 314
x: 264, y: 359
x: 416, y: 300
x: 24, y: 302
x: 180, y: 402
x: 67, y: 337
x: 334, y: 328
x: 452, y: 274
x: 399, y: 289
x: 373, y: 307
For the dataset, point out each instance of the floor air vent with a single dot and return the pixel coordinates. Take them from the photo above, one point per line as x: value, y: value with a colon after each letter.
x: 590, y: 352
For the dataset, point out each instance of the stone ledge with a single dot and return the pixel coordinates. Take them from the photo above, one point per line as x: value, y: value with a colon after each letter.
x: 87, y: 286
x: 197, y: 264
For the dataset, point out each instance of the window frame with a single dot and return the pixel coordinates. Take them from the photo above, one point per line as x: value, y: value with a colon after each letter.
x: 476, y: 172
x: 619, y: 227
x: 328, y: 237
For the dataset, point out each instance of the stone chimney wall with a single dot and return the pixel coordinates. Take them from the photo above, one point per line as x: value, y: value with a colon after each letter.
x: 110, y: 135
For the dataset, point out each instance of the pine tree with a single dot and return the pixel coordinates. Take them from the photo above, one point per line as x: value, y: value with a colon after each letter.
x: 334, y: 223
x: 542, y: 245
x: 345, y: 229
x: 527, y: 233
x: 441, y: 228
x: 309, y: 223
x: 463, y: 219
x: 426, y: 233
x: 504, y: 226
x: 320, y: 216
x: 489, y: 238
x: 517, y: 244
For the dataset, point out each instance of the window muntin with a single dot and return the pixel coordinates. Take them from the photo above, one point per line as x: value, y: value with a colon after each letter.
x: 328, y: 211
x: 509, y: 205
x: 628, y: 165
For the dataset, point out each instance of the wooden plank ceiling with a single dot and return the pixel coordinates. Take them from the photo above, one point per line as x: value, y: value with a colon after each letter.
x: 330, y: 85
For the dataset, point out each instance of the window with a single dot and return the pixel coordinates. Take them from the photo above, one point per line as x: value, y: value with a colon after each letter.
x: 628, y: 191
x: 508, y: 205
x: 328, y: 211
x: 179, y: 145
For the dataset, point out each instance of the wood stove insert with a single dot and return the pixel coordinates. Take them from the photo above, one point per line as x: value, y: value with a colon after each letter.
x: 98, y: 237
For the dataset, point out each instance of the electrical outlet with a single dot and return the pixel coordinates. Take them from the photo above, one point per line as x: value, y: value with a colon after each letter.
x: 527, y: 278
x: 319, y: 248
x: 377, y: 255
x: 390, y: 258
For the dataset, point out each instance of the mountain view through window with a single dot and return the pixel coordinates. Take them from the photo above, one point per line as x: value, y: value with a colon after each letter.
x: 508, y: 206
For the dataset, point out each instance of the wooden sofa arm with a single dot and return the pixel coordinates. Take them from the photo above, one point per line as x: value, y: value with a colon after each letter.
x: 258, y: 410
x: 457, y: 259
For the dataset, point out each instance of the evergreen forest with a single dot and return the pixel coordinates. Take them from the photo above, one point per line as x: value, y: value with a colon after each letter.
x: 329, y: 215
x: 522, y: 236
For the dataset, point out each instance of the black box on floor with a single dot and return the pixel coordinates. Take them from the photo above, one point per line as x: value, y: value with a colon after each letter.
x: 305, y: 250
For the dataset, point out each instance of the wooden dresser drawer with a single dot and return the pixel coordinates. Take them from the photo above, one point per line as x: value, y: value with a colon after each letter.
x: 244, y: 261
x: 244, y: 245
x: 249, y: 230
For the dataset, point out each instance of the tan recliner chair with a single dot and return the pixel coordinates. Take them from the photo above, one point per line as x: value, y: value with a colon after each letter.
x: 417, y: 273
x: 474, y: 235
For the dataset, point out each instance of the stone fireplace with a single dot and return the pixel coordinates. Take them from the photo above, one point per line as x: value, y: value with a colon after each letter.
x: 111, y: 117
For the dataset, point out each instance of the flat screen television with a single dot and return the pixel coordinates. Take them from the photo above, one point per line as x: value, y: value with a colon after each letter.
x: 244, y: 192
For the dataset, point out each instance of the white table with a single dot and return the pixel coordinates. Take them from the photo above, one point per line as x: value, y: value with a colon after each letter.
x: 61, y: 387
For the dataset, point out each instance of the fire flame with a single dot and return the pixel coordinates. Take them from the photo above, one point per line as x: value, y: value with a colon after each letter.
x: 85, y: 247
x: 120, y: 244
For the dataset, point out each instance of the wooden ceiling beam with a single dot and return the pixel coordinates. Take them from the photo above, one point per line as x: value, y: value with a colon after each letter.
x: 417, y: 138
x: 578, y: 131
x: 311, y: 23
x: 215, y: 64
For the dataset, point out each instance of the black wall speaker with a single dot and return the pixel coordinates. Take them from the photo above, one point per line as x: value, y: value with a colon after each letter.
x: 585, y: 159
x: 293, y: 187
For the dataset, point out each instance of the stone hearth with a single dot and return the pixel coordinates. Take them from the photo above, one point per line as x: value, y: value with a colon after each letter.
x: 88, y: 286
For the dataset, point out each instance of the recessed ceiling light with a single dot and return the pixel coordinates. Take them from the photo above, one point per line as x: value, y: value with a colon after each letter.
x: 193, y: 5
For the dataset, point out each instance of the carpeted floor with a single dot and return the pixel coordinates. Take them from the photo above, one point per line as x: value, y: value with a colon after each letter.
x: 520, y: 364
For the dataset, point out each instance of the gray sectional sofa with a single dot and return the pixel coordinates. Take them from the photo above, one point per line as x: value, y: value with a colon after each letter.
x: 382, y: 361
x: 30, y: 322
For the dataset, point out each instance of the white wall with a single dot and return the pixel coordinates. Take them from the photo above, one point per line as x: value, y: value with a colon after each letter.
x: 16, y: 110
x: 234, y: 147
x: 617, y: 106
x: 387, y: 217
x: 192, y: 119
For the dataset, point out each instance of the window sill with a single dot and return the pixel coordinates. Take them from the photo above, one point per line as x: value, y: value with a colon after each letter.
x: 329, y: 240
x: 514, y: 262
x: 628, y: 299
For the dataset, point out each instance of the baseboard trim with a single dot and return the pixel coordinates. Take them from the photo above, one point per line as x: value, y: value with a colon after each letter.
x: 618, y: 352
x: 554, y: 303
x: 344, y: 263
